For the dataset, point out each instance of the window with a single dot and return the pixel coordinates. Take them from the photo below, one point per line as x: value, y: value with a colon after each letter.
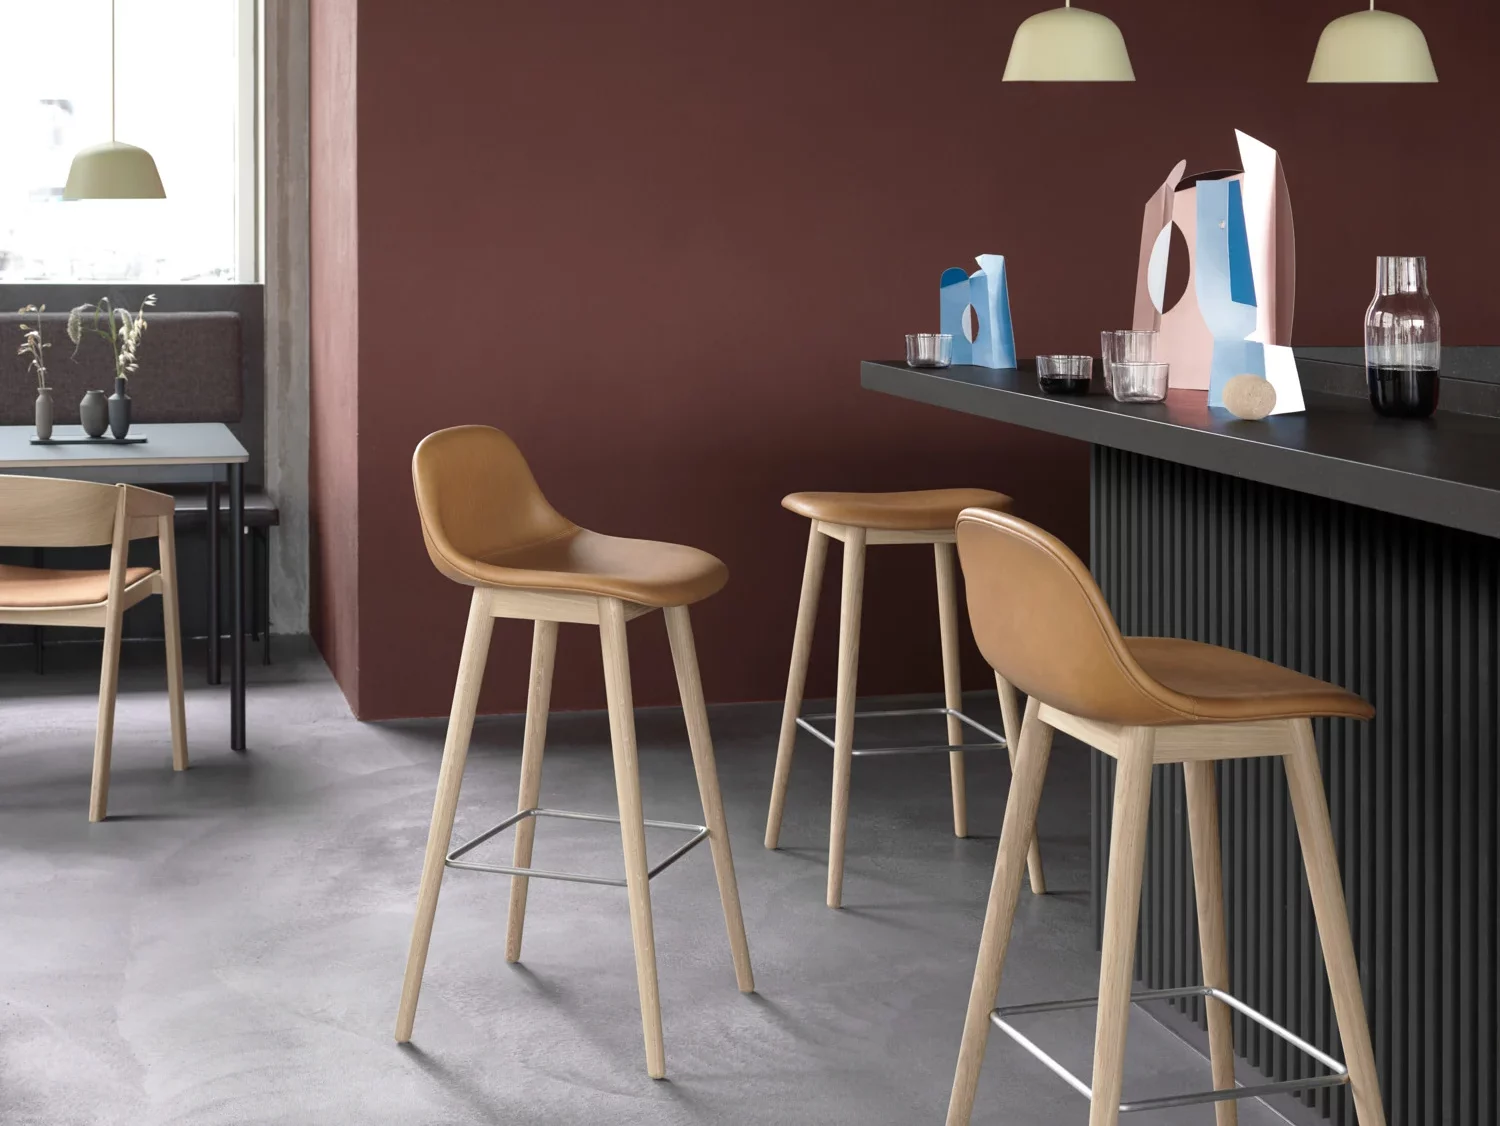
x: 185, y: 90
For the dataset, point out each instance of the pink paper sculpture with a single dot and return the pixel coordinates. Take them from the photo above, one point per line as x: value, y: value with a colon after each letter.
x: 1205, y: 332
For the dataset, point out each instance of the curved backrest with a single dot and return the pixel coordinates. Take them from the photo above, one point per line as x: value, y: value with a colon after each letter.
x: 478, y: 499
x: 50, y: 512
x: 1043, y: 624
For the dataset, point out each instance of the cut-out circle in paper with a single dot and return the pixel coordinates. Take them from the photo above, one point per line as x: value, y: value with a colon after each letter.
x: 1167, y: 269
x: 969, y: 318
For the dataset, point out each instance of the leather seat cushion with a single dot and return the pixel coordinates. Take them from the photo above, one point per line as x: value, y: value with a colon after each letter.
x: 27, y: 588
x: 1223, y: 684
x: 584, y: 562
x: 926, y: 510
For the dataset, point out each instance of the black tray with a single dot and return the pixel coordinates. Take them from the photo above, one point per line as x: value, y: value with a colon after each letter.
x: 87, y: 441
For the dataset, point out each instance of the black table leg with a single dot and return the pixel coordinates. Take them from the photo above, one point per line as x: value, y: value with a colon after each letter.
x: 212, y: 632
x: 237, y: 618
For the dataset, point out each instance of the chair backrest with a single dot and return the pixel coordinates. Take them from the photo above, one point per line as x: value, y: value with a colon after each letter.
x: 478, y: 499
x: 1042, y: 622
x: 49, y: 512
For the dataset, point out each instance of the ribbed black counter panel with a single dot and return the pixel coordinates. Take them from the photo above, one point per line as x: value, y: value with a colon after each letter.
x: 1364, y: 551
x: 1405, y: 614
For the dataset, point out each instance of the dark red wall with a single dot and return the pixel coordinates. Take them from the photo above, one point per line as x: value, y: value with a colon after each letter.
x: 653, y: 240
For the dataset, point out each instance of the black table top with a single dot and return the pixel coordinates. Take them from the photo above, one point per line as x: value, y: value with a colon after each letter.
x: 1443, y: 470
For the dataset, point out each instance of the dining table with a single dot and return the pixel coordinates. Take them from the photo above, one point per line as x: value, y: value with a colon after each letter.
x: 176, y: 453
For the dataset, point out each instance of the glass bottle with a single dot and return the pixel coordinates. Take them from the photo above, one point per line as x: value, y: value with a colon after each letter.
x: 1402, y: 341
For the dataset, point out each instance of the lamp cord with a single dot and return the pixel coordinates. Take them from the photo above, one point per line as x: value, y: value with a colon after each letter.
x: 112, y: 69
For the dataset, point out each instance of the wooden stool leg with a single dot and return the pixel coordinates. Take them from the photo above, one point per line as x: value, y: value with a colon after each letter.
x: 1010, y: 717
x: 1017, y: 830
x: 796, y: 679
x: 1208, y: 882
x: 632, y: 825
x: 690, y: 688
x: 952, y: 682
x: 538, y: 700
x: 1122, y: 908
x: 843, y: 724
x: 450, y: 778
x: 1310, y: 806
x: 166, y: 542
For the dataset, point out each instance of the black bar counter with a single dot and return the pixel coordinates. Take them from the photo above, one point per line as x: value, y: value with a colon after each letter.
x: 1362, y: 550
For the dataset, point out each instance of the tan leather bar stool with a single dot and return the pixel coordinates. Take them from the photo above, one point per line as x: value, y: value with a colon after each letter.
x: 1041, y: 621
x: 488, y: 526
x: 860, y: 520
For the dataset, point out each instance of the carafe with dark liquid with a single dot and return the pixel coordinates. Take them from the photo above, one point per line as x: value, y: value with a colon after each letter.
x: 1402, y: 340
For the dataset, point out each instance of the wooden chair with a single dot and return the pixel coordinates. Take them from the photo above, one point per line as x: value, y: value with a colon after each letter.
x: 858, y: 521
x: 488, y: 526
x: 45, y: 512
x: 1041, y: 621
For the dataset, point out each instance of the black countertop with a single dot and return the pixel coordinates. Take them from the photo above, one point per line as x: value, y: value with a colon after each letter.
x: 1444, y: 470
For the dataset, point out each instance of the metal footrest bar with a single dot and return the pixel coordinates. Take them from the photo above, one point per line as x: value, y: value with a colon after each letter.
x: 700, y: 834
x: 997, y: 740
x: 1339, y: 1076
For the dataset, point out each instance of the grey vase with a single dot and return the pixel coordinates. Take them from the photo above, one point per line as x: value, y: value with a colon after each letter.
x: 93, y: 414
x: 44, y: 413
x: 119, y: 410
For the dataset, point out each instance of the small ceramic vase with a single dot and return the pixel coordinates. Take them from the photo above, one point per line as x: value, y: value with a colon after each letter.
x: 93, y: 414
x: 44, y: 414
x: 119, y: 410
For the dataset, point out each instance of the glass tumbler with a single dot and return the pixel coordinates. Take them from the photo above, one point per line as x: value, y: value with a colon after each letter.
x: 1064, y: 375
x: 929, y: 350
x: 1137, y: 382
x: 1402, y: 342
x: 1125, y: 346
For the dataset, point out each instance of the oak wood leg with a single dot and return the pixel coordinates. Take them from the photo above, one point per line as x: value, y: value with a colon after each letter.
x: 166, y: 543
x: 538, y: 700
x: 952, y: 680
x: 690, y: 688
x: 1122, y: 909
x: 796, y: 678
x: 843, y: 724
x: 1010, y: 717
x: 1016, y: 833
x: 1310, y: 807
x: 632, y: 825
x: 109, y: 686
x: 1208, y: 882
x: 450, y: 779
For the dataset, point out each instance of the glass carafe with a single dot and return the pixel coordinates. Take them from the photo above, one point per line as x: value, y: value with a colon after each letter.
x: 1402, y: 341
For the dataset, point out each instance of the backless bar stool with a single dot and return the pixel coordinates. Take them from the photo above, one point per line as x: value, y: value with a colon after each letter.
x: 1041, y: 622
x: 488, y: 526
x: 859, y: 520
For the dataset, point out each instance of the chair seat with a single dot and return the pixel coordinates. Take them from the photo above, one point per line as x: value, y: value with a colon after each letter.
x: 584, y: 562
x: 1226, y: 685
x: 926, y: 510
x: 260, y: 509
x: 29, y: 588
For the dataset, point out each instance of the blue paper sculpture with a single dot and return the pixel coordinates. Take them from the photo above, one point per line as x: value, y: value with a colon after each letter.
x: 993, y: 342
x: 1225, y: 285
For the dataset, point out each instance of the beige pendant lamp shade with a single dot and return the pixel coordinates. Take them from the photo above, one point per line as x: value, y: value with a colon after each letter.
x: 1372, y: 47
x: 1068, y: 45
x: 113, y: 170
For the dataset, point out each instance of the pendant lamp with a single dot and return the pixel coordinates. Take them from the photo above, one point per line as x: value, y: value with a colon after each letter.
x: 1372, y: 47
x: 1068, y: 44
x: 113, y: 170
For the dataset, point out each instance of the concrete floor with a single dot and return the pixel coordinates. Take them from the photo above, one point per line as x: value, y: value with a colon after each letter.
x: 228, y: 946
